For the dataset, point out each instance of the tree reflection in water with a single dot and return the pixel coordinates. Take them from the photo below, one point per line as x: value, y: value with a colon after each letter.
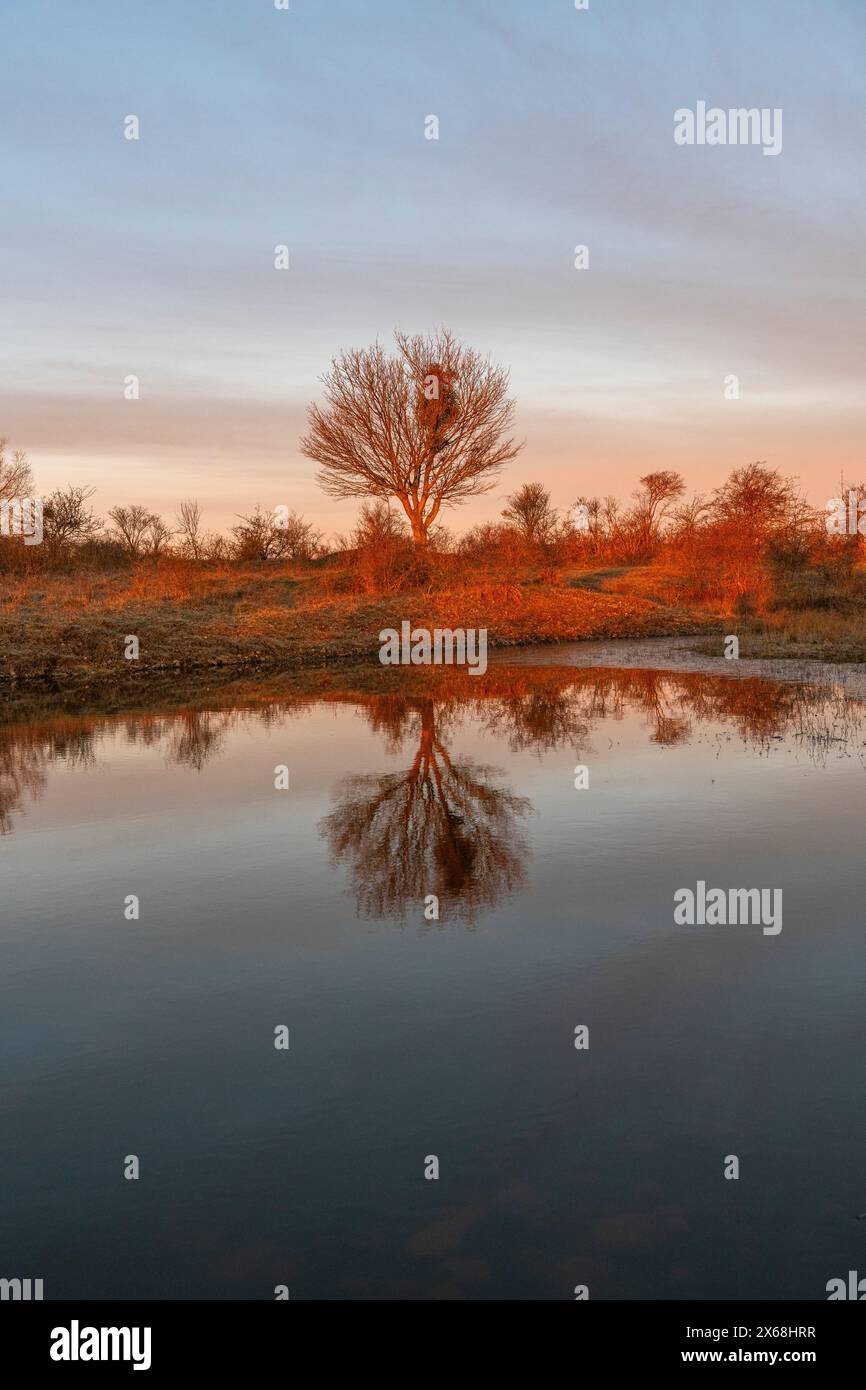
x: 444, y: 824
x: 440, y: 826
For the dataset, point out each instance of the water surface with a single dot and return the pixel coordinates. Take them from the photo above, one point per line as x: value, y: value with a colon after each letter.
x: 412, y: 1036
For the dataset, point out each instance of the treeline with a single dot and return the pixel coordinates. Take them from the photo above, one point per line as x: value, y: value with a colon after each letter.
x: 74, y: 537
x: 752, y: 543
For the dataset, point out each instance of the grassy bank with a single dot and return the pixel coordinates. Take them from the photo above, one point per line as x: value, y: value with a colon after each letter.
x: 808, y: 636
x: 188, y: 618
x: 62, y: 632
x: 807, y: 616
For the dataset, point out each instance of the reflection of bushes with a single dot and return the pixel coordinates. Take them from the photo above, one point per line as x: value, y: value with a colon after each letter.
x: 530, y: 708
x: 27, y: 752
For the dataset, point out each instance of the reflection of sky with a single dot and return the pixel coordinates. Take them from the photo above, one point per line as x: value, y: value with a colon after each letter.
x: 136, y: 811
x: 260, y: 127
x: 155, y: 1036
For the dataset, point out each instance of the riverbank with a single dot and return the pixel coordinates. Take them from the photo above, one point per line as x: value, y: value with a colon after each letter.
x: 74, y: 631
x: 520, y: 676
x: 66, y: 636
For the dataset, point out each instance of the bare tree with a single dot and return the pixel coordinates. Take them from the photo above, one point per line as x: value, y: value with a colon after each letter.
x: 157, y: 537
x: 68, y: 519
x: 275, y: 536
x: 131, y: 525
x: 583, y: 524
x: 530, y: 512
x: 16, y: 480
x: 610, y: 520
x: 761, y: 501
x: 377, y: 525
x: 688, y: 517
x: 296, y: 539
x: 215, y: 547
x: 188, y: 528
x: 427, y: 425
x: 657, y: 494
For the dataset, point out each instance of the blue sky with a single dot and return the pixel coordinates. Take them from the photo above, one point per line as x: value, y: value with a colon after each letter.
x: 306, y: 127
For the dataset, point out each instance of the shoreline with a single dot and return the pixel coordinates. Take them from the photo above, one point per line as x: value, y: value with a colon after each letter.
x: 64, y: 647
x: 74, y: 649
x: 166, y: 690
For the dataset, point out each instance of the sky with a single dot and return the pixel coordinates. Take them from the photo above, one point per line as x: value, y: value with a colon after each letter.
x: 306, y: 128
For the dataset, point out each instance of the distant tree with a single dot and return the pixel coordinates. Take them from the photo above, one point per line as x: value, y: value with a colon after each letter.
x: 254, y: 536
x: 852, y: 498
x: 653, y: 502
x: 157, y: 537
x: 297, y: 539
x: 188, y: 529
x: 377, y: 525
x: 16, y: 480
x: 530, y: 512
x: 131, y: 527
x: 611, y: 526
x: 67, y: 517
x: 275, y: 536
x: 688, y: 517
x: 760, y: 501
x: 582, y: 524
x: 428, y: 426
x: 216, y: 548
x: 730, y: 548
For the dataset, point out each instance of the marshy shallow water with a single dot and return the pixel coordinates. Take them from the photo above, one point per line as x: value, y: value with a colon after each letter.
x: 454, y: 1037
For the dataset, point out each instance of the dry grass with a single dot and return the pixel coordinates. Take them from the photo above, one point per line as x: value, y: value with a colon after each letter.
x: 809, y: 634
x: 190, y: 617
x: 806, y: 615
x: 71, y: 628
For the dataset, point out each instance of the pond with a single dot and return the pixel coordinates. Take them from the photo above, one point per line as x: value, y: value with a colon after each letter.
x: 290, y: 941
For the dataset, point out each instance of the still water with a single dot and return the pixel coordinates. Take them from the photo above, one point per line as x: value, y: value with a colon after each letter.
x: 410, y: 1036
